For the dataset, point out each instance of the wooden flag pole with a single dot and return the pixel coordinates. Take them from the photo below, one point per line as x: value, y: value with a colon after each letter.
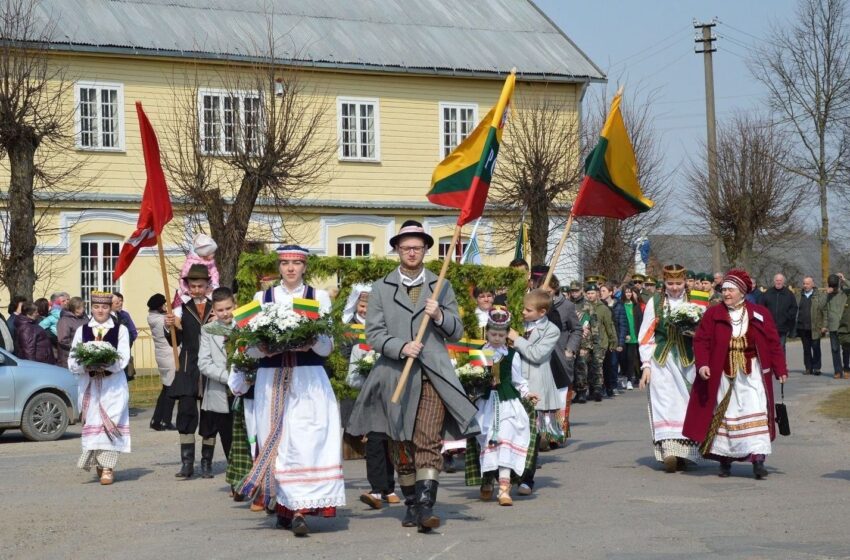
x: 557, y: 254
x: 402, y: 381
x: 167, y: 300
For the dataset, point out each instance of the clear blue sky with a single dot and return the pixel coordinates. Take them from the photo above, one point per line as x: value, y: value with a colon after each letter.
x: 650, y: 44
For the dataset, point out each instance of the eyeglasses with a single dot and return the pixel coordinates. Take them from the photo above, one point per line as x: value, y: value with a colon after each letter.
x: 418, y: 249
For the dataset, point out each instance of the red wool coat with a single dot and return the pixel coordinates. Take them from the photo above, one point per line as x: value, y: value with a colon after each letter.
x: 711, y: 348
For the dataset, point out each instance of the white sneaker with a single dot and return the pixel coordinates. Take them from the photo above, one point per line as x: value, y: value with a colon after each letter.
x: 524, y: 490
x: 629, y: 386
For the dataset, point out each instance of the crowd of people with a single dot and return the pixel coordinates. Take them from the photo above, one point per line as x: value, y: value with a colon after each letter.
x: 710, y: 389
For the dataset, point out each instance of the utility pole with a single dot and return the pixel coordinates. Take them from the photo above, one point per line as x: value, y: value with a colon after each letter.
x: 705, y: 46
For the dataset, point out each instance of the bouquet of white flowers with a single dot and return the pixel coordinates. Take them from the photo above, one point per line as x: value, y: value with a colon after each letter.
x: 686, y: 317
x: 279, y: 328
x: 96, y: 355
x: 475, y: 380
x: 367, y: 362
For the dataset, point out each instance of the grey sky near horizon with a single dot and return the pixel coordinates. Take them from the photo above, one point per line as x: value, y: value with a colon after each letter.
x: 649, y: 44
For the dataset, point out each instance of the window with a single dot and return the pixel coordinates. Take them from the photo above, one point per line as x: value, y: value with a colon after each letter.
x: 460, y: 248
x: 353, y: 247
x: 230, y: 122
x: 358, y: 129
x: 99, y: 116
x: 97, y: 262
x: 456, y: 123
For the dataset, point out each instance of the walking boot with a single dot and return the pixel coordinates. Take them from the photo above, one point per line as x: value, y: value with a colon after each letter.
x: 580, y: 397
x: 426, y: 493
x: 207, y: 452
x: 759, y: 470
x: 412, y: 513
x: 725, y: 470
x: 187, y: 457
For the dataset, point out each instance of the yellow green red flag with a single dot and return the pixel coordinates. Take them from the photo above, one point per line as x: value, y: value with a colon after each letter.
x: 462, y: 180
x: 610, y: 187
x: 307, y: 307
x: 246, y: 312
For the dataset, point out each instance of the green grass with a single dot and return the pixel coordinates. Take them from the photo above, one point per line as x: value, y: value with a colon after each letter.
x: 144, y: 389
x: 837, y: 405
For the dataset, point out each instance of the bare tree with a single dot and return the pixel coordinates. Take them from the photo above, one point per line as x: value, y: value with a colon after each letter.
x: 270, y: 150
x: 758, y: 196
x: 539, y: 167
x: 806, y: 69
x: 608, y: 245
x: 36, y: 134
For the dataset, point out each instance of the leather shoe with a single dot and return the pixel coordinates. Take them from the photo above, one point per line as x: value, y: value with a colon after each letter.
x: 169, y: 426
x: 725, y: 470
x: 759, y: 470
x: 670, y: 463
x: 299, y: 526
x: 580, y: 398
x: 371, y: 500
x: 283, y: 523
x: 156, y: 426
x: 597, y: 396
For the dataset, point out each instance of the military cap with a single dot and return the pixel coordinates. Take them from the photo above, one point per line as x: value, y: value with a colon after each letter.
x: 591, y: 287
x: 690, y: 275
x: 638, y: 277
x: 575, y: 285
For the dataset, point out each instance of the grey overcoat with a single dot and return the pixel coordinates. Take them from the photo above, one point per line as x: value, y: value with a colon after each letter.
x: 392, y: 321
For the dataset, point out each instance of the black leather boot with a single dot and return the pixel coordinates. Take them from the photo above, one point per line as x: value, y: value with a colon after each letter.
x: 207, y: 452
x: 412, y: 514
x: 187, y: 456
x: 759, y: 470
x: 426, y: 494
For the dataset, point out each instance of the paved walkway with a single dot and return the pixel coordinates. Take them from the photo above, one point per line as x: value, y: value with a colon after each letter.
x: 601, y: 497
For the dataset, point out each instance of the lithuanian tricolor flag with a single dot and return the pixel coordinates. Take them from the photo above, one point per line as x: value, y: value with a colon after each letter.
x: 245, y: 313
x: 306, y: 307
x: 356, y: 331
x: 464, y: 345
x: 610, y: 188
x: 463, y: 178
x: 481, y: 357
x: 700, y: 298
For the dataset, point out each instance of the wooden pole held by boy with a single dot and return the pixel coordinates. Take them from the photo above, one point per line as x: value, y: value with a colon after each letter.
x: 167, y: 299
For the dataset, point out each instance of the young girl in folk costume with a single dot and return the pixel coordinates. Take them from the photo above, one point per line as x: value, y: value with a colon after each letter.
x: 104, y: 395
x: 506, y: 429
x: 203, y: 252
x: 379, y: 465
x: 737, y: 350
x: 667, y: 367
x: 297, y: 416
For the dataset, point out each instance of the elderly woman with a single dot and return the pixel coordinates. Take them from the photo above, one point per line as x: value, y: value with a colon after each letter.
x: 667, y: 369
x: 164, y: 411
x: 736, y: 348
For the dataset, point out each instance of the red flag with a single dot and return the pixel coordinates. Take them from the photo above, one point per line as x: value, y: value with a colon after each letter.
x: 155, y: 211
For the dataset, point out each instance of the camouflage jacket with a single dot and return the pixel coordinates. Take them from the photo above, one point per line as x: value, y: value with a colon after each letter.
x: 587, y: 316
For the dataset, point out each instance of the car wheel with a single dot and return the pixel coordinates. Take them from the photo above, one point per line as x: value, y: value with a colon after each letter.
x: 45, y: 418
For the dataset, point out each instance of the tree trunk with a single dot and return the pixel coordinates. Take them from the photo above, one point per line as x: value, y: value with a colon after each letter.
x: 20, y: 274
x: 824, y: 231
x: 234, y: 229
x: 538, y: 234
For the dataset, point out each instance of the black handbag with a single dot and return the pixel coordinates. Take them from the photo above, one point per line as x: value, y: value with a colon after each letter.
x: 782, y: 414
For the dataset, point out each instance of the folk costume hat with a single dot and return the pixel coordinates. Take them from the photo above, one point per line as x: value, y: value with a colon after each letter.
x: 292, y: 253
x: 539, y: 270
x: 412, y: 228
x: 358, y: 292
x: 738, y: 278
x: 204, y: 245
x: 499, y: 319
x: 197, y: 272
x: 105, y: 297
x: 674, y: 272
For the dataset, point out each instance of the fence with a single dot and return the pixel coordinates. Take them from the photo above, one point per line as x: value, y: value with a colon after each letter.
x: 144, y: 389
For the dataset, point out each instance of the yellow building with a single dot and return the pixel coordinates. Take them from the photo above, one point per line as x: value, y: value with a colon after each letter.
x: 403, y: 83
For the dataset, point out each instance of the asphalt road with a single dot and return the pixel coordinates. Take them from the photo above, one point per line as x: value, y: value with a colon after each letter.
x: 601, y: 497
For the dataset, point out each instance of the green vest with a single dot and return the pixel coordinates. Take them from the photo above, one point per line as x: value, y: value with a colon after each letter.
x: 668, y: 338
x: 505, y: 388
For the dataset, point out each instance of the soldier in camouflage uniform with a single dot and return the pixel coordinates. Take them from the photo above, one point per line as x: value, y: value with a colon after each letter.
x: 604, y: 339
x: 588, y: 370
x: 583, y: 312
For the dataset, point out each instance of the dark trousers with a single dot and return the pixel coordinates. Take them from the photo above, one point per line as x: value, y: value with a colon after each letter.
x: 528, y: 475
x: 609, y: 370
x: 187, y: 415
x: 220, y: 423
x: 164, y: 411
x: 840, y: 354
x: 629, y: 362
x: 811, y: 351
x: 379, y: 465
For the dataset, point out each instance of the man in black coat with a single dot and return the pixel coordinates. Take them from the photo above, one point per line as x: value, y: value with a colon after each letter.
x: 782, y: 304
x: 186, y: 387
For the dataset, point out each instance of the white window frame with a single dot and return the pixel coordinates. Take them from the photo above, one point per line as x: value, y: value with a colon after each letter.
x: 376, y: 117
x: 119, y: 101
x: 100, y: 241
x: 446, y: 105
x: 354, y: 240
x: 463, y: 244
x: 221, y: 94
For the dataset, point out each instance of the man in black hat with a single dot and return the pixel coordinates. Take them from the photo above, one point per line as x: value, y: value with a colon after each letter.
x: 433, y: 404
x: 185, y: 389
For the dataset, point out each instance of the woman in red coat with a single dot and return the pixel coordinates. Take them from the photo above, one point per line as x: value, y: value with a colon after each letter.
x: 736, y: 349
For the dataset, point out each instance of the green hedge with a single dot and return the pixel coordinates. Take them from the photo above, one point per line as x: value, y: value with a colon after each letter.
x: 255, y: 266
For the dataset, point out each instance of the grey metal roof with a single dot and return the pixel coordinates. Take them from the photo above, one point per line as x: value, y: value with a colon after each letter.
x: 471, y: 37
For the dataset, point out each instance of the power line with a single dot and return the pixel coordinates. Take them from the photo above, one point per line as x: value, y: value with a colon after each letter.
x: 733, y: 28
x: 654, y: 45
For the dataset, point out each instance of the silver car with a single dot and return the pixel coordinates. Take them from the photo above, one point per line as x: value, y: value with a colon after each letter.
x: 39, y: 399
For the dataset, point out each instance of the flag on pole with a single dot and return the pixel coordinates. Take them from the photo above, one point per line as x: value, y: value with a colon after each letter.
x: 610, y: 188
x: 306, y: 307
x: 472, y: 255
x: 463, y: 178
x: 155, y: 210
x: 243, y: 315
x: 700, y: 298
x: 521, y: 247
